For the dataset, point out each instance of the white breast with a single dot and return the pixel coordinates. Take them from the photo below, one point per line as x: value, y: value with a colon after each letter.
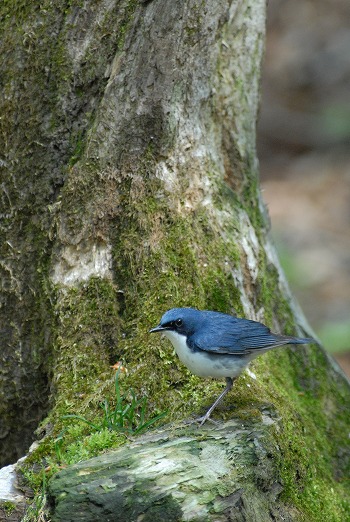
x: 205, y: 364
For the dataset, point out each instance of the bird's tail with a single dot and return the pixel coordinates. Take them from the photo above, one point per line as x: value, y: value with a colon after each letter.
x: 287, y: 339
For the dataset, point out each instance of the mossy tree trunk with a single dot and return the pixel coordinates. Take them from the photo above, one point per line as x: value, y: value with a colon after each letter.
x: 129, y: 186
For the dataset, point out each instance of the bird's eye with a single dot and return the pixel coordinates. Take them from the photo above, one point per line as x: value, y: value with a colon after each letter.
x: 178, y: 322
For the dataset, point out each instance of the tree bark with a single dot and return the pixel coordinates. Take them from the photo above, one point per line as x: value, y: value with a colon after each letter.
x: 130, y: 186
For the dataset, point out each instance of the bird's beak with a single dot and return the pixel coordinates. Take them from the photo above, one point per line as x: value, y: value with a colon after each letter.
x: 158, y: 328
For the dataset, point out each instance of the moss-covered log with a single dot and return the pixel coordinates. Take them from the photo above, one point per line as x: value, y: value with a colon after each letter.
x: 179, y: 474
x: 129, y: 186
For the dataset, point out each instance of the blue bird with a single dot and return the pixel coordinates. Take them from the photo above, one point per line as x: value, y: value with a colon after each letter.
x: 214, y: 344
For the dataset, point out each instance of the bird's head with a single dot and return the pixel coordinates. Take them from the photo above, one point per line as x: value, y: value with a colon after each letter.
x: 184, y: 321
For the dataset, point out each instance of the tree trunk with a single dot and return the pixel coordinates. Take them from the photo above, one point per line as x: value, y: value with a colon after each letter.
x: 130, y: 186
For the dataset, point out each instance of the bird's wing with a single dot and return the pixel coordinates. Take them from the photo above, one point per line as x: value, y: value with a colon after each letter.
x: 239, y: 336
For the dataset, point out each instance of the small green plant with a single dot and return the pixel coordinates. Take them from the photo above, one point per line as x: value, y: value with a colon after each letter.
x: 128, y: 415
x: 8, y: 506
x: 58, y: 442
x: 37, y: 510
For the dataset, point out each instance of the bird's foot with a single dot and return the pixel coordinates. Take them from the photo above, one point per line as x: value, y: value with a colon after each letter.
x: 205, y: 418
x: 201, y: 420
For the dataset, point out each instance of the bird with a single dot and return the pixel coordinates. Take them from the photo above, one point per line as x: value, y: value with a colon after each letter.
x: 219, y: 345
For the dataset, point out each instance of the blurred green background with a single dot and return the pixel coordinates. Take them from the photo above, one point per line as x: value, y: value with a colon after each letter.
x: 304, y: 152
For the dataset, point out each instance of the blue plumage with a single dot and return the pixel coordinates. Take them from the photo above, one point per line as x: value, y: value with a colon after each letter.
x: 222, y: 333
x: 213, y: 344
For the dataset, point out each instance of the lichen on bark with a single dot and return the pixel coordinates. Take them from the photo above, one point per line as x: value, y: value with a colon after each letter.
x: 178, y: 474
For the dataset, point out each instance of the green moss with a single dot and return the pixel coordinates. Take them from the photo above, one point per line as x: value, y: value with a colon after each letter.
x: 90, y: 445
x: 86, y: 345
x: 310, y: 449
x: 270, y: 298
x: 8, y: 506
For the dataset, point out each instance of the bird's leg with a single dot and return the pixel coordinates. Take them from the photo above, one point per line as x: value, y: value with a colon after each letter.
x: 229, y: 383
